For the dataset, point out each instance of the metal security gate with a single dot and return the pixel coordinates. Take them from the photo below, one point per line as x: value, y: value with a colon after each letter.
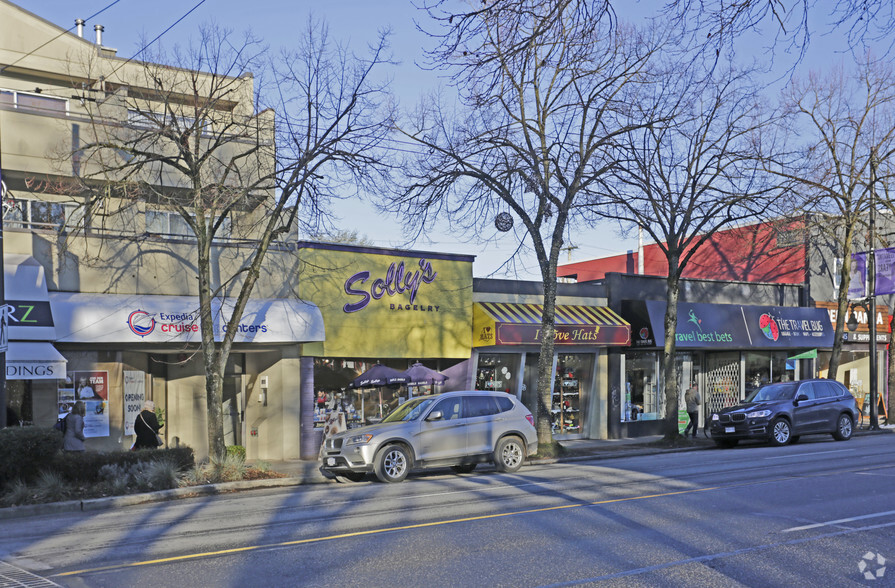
x: 722, y: 381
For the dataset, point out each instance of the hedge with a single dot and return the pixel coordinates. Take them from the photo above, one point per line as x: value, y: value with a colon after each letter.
x: 26, y: 451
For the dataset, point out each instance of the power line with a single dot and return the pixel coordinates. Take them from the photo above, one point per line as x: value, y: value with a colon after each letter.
x: 157, y: 37
x: 66, y: 31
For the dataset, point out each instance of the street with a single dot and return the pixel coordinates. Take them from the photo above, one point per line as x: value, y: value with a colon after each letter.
x: 800, y: 515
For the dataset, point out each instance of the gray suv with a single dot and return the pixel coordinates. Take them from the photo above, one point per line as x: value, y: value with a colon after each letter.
x: 456, y: 429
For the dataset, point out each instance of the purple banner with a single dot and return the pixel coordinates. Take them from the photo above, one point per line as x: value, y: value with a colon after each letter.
x: 885, y: 273
x: 858, y: 276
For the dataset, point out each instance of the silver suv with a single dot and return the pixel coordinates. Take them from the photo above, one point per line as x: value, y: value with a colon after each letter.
x: 457, y: 429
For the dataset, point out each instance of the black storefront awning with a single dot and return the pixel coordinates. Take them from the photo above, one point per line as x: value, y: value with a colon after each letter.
x: 729, y: 326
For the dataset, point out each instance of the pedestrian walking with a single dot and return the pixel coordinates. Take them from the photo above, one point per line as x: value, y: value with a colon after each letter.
x: 146, y: 428
x: 692, y: 400
x: 73, y: 438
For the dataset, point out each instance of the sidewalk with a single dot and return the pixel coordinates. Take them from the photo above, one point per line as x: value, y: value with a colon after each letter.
x: 306, y: 472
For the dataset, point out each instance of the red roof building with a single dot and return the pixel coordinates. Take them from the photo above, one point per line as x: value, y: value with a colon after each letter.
x: 765, y: 252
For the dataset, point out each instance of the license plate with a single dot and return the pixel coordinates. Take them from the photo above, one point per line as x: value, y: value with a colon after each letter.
x: 330, y: 461
x: 726, y: 430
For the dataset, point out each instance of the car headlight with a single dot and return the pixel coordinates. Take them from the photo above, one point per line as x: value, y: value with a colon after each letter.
x: 359, y: 439
x: 758, y: 414
x: 715, y: 417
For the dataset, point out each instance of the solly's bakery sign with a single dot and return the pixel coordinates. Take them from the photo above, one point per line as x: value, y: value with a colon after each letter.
x: 400, y: 285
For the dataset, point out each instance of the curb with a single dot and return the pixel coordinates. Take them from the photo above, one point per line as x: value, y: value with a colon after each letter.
x: 99, y: 504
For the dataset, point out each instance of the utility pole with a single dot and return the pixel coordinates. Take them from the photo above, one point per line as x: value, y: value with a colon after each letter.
x: 871, y: 269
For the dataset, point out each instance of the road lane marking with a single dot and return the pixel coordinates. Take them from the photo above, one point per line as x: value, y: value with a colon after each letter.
x: 449, y: 522
x: 839, y: 521
x: 378, y: 531
x: 11, y: 575
x: 715, y: 556
x: 809, y: 454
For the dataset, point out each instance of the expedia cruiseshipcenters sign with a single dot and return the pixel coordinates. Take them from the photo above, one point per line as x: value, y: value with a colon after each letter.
x: 164, y: 319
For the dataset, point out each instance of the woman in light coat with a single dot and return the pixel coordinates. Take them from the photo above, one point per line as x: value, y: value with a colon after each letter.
x: 73, y: 439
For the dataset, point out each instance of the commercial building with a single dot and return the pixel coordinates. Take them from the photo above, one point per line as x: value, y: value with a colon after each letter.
x: 103, y: 298
x: 785, y: 271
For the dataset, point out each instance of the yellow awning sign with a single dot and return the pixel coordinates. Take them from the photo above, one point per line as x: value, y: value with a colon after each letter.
x: 498, y: 323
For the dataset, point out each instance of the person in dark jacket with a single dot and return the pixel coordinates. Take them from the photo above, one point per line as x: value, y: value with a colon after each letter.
x: 73, y: 439
x: 146, y: 427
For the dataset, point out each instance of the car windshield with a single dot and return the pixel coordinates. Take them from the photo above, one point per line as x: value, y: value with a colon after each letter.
x: 771, y: 392
x: 409, y: 411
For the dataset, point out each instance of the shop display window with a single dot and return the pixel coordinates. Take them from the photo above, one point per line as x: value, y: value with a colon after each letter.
x: 642, y: 400
x: 573, y: 373
x: 19, y: 409
x: 498, y: 371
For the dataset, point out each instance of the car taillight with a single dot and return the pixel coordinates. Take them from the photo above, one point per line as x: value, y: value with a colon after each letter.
x: 530, y: 419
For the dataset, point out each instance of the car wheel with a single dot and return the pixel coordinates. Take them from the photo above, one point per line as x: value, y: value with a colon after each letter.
x: 509, y: 454
x: 726, y: 443
x: 781, y: 432
x: 464, y: 468
x: 345, y: 477
x: 392, y: 464
x: 794, y: 439
x: 844, y: 428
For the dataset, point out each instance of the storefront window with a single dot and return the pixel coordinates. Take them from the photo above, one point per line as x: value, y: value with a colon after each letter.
x: 641, y: 387
x: 498, y: 371
x: 19, y: 411
x: 766, y: 367
x: 574, y: 374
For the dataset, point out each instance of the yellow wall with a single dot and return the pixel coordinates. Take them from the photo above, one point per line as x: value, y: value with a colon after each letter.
x: 437, y: 322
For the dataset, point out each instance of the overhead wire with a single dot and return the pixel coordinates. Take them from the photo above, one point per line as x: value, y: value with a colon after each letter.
x: 66, y: 31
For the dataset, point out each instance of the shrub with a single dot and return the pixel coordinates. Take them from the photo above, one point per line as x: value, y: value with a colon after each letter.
x: 25, y: 451
x: 50, y: 487
x: 237, y: 451
x: 17, y: 492
x: 155, y: 475
x: 229, y: 469
x: 85, y: 467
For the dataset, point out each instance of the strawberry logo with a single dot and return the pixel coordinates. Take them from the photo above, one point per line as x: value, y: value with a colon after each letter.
x: 769, y: 327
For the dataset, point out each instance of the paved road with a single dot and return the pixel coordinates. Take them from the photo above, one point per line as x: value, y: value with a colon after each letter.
x: 752, y: 516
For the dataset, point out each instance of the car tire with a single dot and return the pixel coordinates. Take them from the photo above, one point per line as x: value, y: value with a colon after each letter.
x: 726, y: 443
x: 509, y: 455
x: 463, y: 468
x: 346, y: 477
x: 845, y: 426
x: 781, y: 432
x: 392, y: 464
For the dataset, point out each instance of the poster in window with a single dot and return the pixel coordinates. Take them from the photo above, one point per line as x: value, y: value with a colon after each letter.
x: 134, y: 396
x: 93, y: 389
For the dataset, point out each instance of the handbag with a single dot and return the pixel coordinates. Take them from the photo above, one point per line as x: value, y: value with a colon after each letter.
x: 158, y: 438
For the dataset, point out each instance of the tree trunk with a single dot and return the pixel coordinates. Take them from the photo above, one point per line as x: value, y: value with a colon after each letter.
x: 545, y: 362
x: 211, y: 356
x: 842, y: 308
x: 669, y: 365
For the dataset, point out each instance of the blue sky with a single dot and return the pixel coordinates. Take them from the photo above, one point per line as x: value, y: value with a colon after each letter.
x: 277, y: 22
x: 355, y: 22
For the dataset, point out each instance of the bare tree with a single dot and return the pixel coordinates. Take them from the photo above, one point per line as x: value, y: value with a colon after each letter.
x: 684, y: 179
x: 837, y: 121
x: 542, y: 101
x: 720, y: 23
x: 193, y: 141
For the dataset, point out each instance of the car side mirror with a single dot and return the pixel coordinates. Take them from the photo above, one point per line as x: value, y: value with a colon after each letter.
x: 801, y: 398
x: 435, y: 415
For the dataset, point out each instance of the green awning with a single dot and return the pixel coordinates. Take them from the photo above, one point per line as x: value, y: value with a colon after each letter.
x: 806, y: 355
